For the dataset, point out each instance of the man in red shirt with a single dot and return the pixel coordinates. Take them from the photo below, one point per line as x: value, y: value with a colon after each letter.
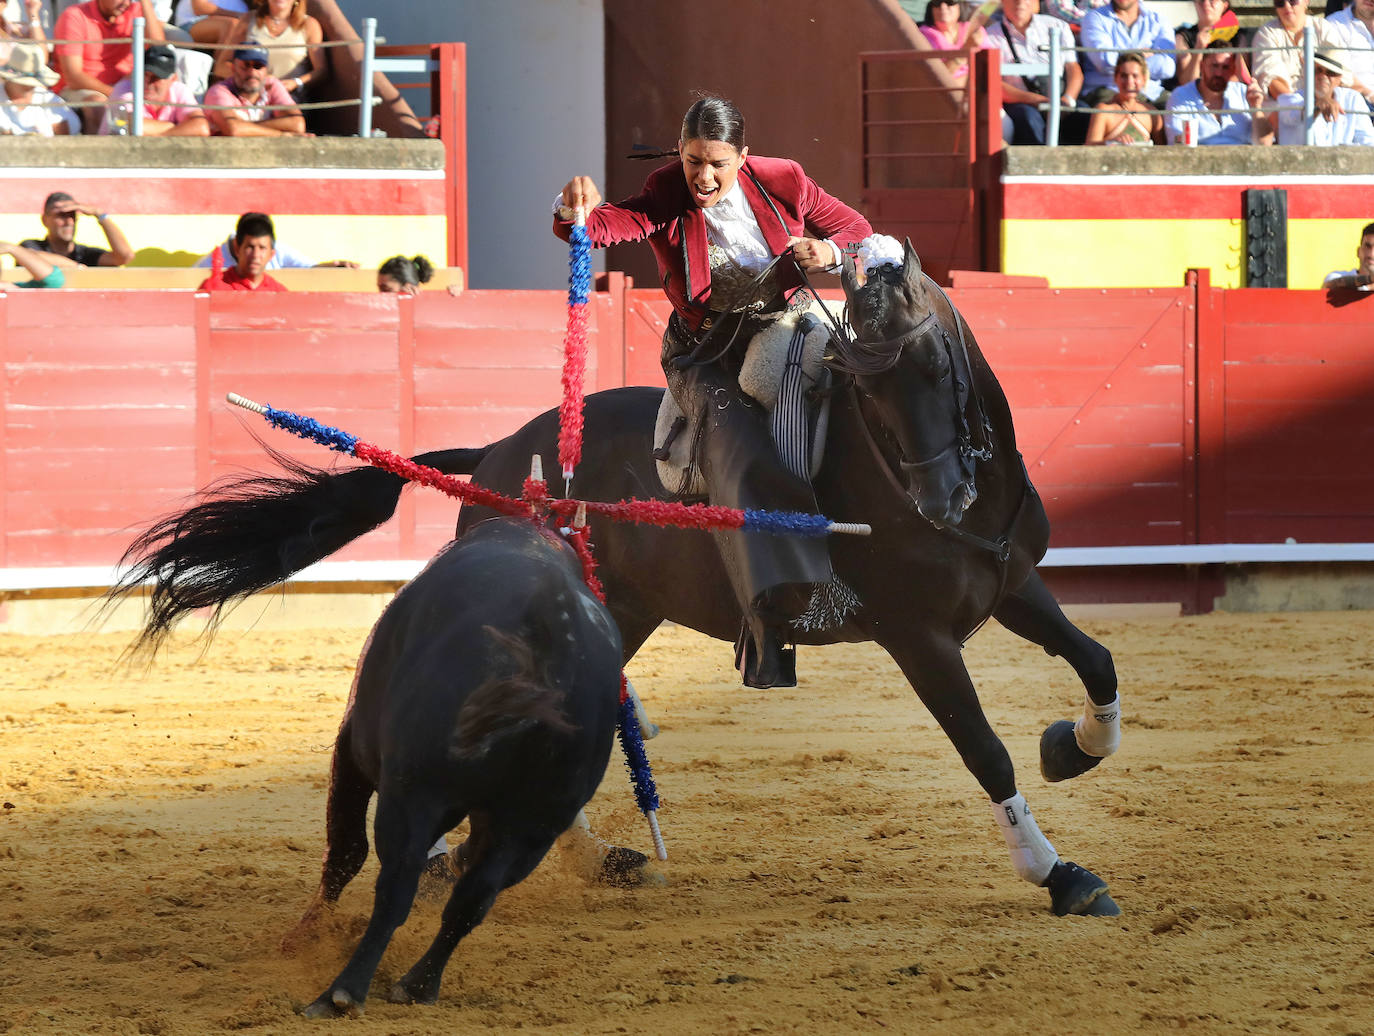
x: 91, y: 67
x: 254, y: 246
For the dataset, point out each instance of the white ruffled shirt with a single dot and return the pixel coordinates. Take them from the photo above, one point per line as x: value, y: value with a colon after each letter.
x: 732, y: 226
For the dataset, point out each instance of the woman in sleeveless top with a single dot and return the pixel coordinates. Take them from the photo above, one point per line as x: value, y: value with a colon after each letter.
x: 945, y: 30
x: 1127, y: 119
x: 292, y: 39
x: 715, y: 218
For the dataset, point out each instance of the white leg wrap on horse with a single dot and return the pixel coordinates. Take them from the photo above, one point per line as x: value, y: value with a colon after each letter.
x: 1032, y: 856
x: 439, y: 848
x: 1098, y: 732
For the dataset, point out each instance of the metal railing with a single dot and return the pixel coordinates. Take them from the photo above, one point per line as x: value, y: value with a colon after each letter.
x: 367, y: 100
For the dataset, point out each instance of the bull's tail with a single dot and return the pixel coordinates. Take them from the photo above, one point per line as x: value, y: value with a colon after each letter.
x: 246, y: 534
x: 521, y: 699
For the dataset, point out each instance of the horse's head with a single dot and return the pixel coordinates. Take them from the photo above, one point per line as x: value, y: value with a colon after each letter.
x: 911, y: 369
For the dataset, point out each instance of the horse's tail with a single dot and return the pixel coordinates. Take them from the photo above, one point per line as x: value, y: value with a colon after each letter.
x: 246, y: 534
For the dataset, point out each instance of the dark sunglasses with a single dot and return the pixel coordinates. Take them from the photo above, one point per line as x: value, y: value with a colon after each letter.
x: 944, y: 3
x: 1286, y: 3
x: 254, y: 64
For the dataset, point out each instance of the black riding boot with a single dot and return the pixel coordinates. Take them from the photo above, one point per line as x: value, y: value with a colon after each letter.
x: 773, y: 576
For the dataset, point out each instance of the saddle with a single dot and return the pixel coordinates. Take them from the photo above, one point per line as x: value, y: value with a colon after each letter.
x: 782, y: 364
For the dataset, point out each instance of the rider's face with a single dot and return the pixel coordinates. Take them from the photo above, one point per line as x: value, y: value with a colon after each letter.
x: 711, y: 168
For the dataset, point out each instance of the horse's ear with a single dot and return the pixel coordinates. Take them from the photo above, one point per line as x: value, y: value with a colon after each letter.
x: 911, y: 274
x: 848, y: 277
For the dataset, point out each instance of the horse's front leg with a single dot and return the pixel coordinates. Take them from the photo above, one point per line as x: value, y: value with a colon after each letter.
x: 1068, y: 749
x: 935, y: 666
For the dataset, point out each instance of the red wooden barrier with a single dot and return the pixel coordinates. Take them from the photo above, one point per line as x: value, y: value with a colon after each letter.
x: 1146, y: 417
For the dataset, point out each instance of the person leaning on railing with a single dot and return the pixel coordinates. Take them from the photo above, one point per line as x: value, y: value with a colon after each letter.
x: 45, y: 274
x: 252, y: 103
x: 89, y: 65
x: 292, y: 39
x: 1278, y: 47
x: 1023, y: 37
x: 1127, y: 119
x: 1213, y: 103
x: 1362, y: 276
x: 1341, y: 116
x: 169, y: 106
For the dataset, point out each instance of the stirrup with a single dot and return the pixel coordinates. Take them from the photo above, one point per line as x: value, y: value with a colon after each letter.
x: 774, y: 666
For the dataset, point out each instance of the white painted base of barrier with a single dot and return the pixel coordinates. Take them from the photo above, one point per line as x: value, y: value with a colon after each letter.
x: 19, y: 580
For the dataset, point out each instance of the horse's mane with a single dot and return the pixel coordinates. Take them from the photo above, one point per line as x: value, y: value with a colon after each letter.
x: 873, y: 302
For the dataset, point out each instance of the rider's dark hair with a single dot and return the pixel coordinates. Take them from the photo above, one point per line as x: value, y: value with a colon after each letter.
x: 408, y: 271
x: 254, y: 224
x: 714, y: 118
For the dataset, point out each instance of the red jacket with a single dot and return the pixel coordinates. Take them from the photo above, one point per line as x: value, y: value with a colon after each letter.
x: 665, y: 213
x: 230, y: 280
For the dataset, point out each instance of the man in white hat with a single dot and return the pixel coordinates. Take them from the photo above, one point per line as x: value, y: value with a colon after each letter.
x: 1341, y: 115
x: 28, y: 83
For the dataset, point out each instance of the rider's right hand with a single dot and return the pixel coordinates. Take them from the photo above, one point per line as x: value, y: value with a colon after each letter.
x: 581, y: 192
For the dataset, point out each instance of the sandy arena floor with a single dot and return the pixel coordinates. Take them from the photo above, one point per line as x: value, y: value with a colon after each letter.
x: 833, y: 868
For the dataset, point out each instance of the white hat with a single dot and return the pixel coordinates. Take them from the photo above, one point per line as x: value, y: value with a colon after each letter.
x: 26, y: 67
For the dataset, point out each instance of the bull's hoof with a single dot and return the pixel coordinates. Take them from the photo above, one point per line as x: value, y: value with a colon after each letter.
x: 334, y: 1003
x: 623, y: 866
x: 1060, y: 756
x: 1077, y: 890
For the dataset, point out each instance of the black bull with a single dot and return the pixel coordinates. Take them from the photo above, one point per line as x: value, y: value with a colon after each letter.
x: 488, y: 689
x: 923, y: 590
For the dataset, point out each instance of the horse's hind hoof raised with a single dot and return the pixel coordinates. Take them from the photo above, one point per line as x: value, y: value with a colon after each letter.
x: 1077, y: 890
x: 623, y: 866
x: 1060, y: 756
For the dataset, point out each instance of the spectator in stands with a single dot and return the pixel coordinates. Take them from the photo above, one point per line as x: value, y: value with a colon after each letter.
x: 1124, y: 25
x: 30, y: 29
x: 242, y: 105
x: 169, y: 107
x: 1278, y: 47
x: 208, y: 21
x: 1362, y: 276
x: 27, y: 96
x: 402, y: 276
x: 1023, y: 37
x: 253, y: 244
x: 1071, y: 11
x: 283, y: 256
x: 1127, y: 119
x: 90, y: 67
x: 945, y: 30
x: 293, y: 41
x: 1341, y: 115
x: 1356, y: 22
x: 44, y: 273
x: 60, y: 210
x: 1216, y: 22
x: 1204, y: 100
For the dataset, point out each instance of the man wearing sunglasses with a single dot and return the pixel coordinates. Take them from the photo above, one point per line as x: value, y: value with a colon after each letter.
x: 252, y: 103
x: 1278, y: 46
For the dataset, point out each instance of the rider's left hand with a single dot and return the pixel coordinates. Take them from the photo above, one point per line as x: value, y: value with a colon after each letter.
x: 812, y: 255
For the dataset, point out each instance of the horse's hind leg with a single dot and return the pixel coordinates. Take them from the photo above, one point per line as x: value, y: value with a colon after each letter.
x: 936, y: 669
x: 1068, y: 749
x: 502, y: 861
x: 350, y: 790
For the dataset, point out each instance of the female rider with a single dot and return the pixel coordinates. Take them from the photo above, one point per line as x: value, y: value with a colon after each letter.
x: 716, y: 218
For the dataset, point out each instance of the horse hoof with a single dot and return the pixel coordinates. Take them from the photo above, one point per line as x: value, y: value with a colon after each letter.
x: 400, y: 993
x: 623, y: 866
x: 1077, y: 890
x: 1060, y: 756
x: 334, y: 1003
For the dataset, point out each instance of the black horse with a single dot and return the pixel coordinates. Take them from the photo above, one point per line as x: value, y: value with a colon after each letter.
x: 920, y: 446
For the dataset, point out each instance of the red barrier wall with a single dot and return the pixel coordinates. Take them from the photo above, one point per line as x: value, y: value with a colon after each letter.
x: 1145, y: 417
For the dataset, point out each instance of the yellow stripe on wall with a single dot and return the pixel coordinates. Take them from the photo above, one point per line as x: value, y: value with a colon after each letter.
x: 181, y: 240
x: 1140, y: 253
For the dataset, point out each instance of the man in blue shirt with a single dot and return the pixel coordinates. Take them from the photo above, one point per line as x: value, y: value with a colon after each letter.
x: 1206, y: 101
x: 1125, y: 25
